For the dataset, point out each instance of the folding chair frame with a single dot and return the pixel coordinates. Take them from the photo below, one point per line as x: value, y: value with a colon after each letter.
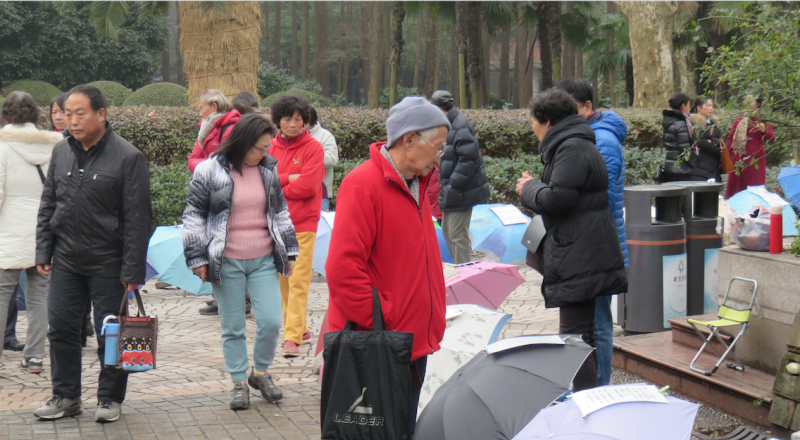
x: 707, y: 342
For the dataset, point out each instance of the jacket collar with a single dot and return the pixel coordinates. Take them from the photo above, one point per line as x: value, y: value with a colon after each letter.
x: 388, y: 170
x: 99, y: 146
x: 574, y: 126
x: 451, y: 115
x: 295, y: 142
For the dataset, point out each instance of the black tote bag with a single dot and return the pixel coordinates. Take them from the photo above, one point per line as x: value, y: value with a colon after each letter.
x: 367, y: 382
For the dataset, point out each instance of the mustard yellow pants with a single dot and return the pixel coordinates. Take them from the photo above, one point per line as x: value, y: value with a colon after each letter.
x: 294, y: 290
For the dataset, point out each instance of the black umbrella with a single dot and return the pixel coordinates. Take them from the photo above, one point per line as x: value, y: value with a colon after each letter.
x: 495, y: 395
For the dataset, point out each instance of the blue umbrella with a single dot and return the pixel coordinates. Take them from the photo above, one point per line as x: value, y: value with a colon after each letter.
x: 492, y: 235
x: 165, y: 253
x: 446, y: 257
x: 323, y: 242
x: 622, y: 421
x: 743, y: 200
x: 789, y: 179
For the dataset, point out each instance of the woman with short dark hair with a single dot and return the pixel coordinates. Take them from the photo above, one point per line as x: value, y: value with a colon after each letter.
x: 24, y: 158
x: 679, y: 141
x: 582, y: 258
x: 237, y: 235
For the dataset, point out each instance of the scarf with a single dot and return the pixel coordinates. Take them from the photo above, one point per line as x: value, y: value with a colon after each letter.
x: 688, y: 118
x: 740, y: 137
x: 206, y: 125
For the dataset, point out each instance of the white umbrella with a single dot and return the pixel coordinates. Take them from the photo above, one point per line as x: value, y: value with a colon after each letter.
x: 323, y: 241
x: 469, y: 329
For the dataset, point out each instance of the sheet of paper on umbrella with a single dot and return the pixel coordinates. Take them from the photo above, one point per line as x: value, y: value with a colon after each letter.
x: 589, y: 401
x: 508, y: 344
x: 510, y: 215
x: 449, y: 270
x: 328, y: 216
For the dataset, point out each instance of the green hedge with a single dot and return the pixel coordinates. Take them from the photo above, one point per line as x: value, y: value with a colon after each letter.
x: 168, y: 187
x: 115, y: 93
x: 41, y: 91
x: 162, y: 94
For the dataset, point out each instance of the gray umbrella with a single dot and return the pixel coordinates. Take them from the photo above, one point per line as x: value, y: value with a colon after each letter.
x: 495, y: 395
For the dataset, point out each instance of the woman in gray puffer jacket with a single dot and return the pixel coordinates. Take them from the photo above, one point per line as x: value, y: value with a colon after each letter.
x: 237, y: 234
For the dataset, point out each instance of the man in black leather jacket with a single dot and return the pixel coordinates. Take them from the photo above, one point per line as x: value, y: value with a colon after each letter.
x: 462, y: 179
x: 92, y: 234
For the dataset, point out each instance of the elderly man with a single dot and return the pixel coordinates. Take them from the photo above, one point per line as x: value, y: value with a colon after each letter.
x: 389, y: 241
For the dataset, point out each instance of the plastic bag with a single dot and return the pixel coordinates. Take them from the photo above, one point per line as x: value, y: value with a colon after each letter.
x: 751, y: 232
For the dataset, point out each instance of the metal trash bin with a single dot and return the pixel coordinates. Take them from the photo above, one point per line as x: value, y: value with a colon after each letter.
x: 703, y: 241
x: 657, y: 272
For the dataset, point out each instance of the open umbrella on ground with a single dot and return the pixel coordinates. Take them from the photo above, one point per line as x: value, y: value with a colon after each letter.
x: 446, y: 257
x: 495, y: 395
x: 758, y: 195
x: 165, y: 253
x: 492, y: 235
x: 469, y: 329
x: 483, y: 283
x: 323, y: 242
x: 673, y: 420
x: 789, y: 179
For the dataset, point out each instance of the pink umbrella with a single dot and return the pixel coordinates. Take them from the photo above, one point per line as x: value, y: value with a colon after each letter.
x: 481, y: 282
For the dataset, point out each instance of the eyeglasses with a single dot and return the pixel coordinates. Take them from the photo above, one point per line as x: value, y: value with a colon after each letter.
x: 263, y: 151
x: 439, y: 151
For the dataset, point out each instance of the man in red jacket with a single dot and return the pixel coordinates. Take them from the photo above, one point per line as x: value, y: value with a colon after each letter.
x: 385, y: 238
x: 301, y: 168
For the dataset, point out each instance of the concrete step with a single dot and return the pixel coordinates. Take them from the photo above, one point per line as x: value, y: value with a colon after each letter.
x: 684, y: 334
x: 656, y: 358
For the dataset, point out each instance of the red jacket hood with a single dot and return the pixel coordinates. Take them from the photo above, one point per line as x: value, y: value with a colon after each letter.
x: 203, y: 150
x: 387, y: 241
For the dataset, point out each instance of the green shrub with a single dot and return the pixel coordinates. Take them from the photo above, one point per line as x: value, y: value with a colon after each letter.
x: 402, y: 92
x: 272, y: 80
x: 318, y: 101
x: 496, y: 103
x: 41, y: 91
x: 165, y: 135
x: 115, y: 93
x: 161, y: 94
x: 168, y: 187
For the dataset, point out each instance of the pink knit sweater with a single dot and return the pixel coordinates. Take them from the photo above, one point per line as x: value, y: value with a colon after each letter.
x: 248, y: 232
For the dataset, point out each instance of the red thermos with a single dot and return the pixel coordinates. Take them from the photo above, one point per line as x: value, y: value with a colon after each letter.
x: 776, y: 229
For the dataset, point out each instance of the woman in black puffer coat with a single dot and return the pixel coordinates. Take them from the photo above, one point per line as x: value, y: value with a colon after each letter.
x: 709, y: 139
x: 679, y: 141
x: 582, y: 255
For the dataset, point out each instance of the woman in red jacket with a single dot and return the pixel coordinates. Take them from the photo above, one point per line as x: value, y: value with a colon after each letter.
x: 218, y: 118
x: 747, y: 141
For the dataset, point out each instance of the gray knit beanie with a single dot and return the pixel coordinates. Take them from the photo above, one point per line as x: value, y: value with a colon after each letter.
x: 413, y: 113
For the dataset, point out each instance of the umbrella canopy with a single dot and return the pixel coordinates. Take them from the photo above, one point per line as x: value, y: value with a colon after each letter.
x: 743, y: 200
x: 469, y: 329
x: 482, y: 282
x: 446, y: 257
x: 492, y: 235
x: 789, y: 179
x: 495, y: 395
x: 165, y: 253
x: 323, y: 242
x: 673, y: 420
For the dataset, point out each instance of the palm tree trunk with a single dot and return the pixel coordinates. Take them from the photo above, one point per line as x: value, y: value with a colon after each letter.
x: 265, y: 33
x: 474, y: 48
x: 487, y: 41
x: 453, y: 66
x: 294, y: 65
x: 276, y: 36
x: 568, y: 61
x: 505, y: 46
x: 429, y: 64
x: 579, y: 63
x: 421, y: 27
x: 398, y: 15
x: 520, y: 55
x: 221, y: 50
x: 461, y: 31
x: 305, y: 46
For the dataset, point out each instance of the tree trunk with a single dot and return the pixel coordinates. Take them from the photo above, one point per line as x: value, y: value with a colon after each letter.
x: 366, y: 46
x: 305, y: 46
x: 276, y: 36
x: 629, y: 89
x: 165, y: 74
x: 595, y: 87
x: 321, y: 58
x: 520, y: 54
x: 545, y: 48
x: 568, y: 61
x: 376, y: 74
x: 611, y: 79
x: 430, y: 53
x: 437, y: 71
x: 505, y: 46
x: 651, y: 49
x: 453, y: 66
x: 461, y: 32
x: 221, y: 49
x: 295, y: 58
x: 553, y: 19
x: 386, y: 43
x: 579, y: 63
x: 474, y: 50
x: 528, y: 68
x: 421, y: 25
x: 486, y: 45
x: 347, y: 9
x: 265, y: 33
x: 398, y: 15
x: 179, y: 58
x: 685, y: 77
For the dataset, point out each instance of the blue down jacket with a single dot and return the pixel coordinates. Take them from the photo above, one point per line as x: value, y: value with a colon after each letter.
x: 610, y: 132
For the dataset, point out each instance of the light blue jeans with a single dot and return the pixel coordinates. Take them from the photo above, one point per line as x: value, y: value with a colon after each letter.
x: 326, y: 204
x: 258, y: 276
x: 603, y: 338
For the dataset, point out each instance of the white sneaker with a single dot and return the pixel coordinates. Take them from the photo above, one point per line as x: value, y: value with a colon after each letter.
x: 796, y: 436
x: 107, y: 411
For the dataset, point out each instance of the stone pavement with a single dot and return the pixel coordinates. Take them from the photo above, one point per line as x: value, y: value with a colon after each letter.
x: 187, y: 395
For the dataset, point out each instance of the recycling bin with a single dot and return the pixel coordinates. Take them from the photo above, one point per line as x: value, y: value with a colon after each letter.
x: 703, y: 242
x: 657, y: 272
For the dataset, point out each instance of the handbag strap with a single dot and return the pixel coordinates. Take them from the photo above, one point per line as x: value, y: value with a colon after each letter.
x: 123, y: 310
x: 41, y: 173
x: 378, y: 323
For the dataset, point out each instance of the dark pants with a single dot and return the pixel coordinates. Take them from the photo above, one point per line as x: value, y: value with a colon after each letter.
x: 578, y: 319
x: 66, y: 305
x: 11, y: 321
x: 413, y: 401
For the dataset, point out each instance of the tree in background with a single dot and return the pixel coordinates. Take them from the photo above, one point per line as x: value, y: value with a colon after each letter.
x: 398, y: 15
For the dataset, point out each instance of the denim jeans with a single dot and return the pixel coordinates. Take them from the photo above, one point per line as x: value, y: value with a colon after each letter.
x: 66, y: 306
x: 604, y: 338
x: 326, y: 204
